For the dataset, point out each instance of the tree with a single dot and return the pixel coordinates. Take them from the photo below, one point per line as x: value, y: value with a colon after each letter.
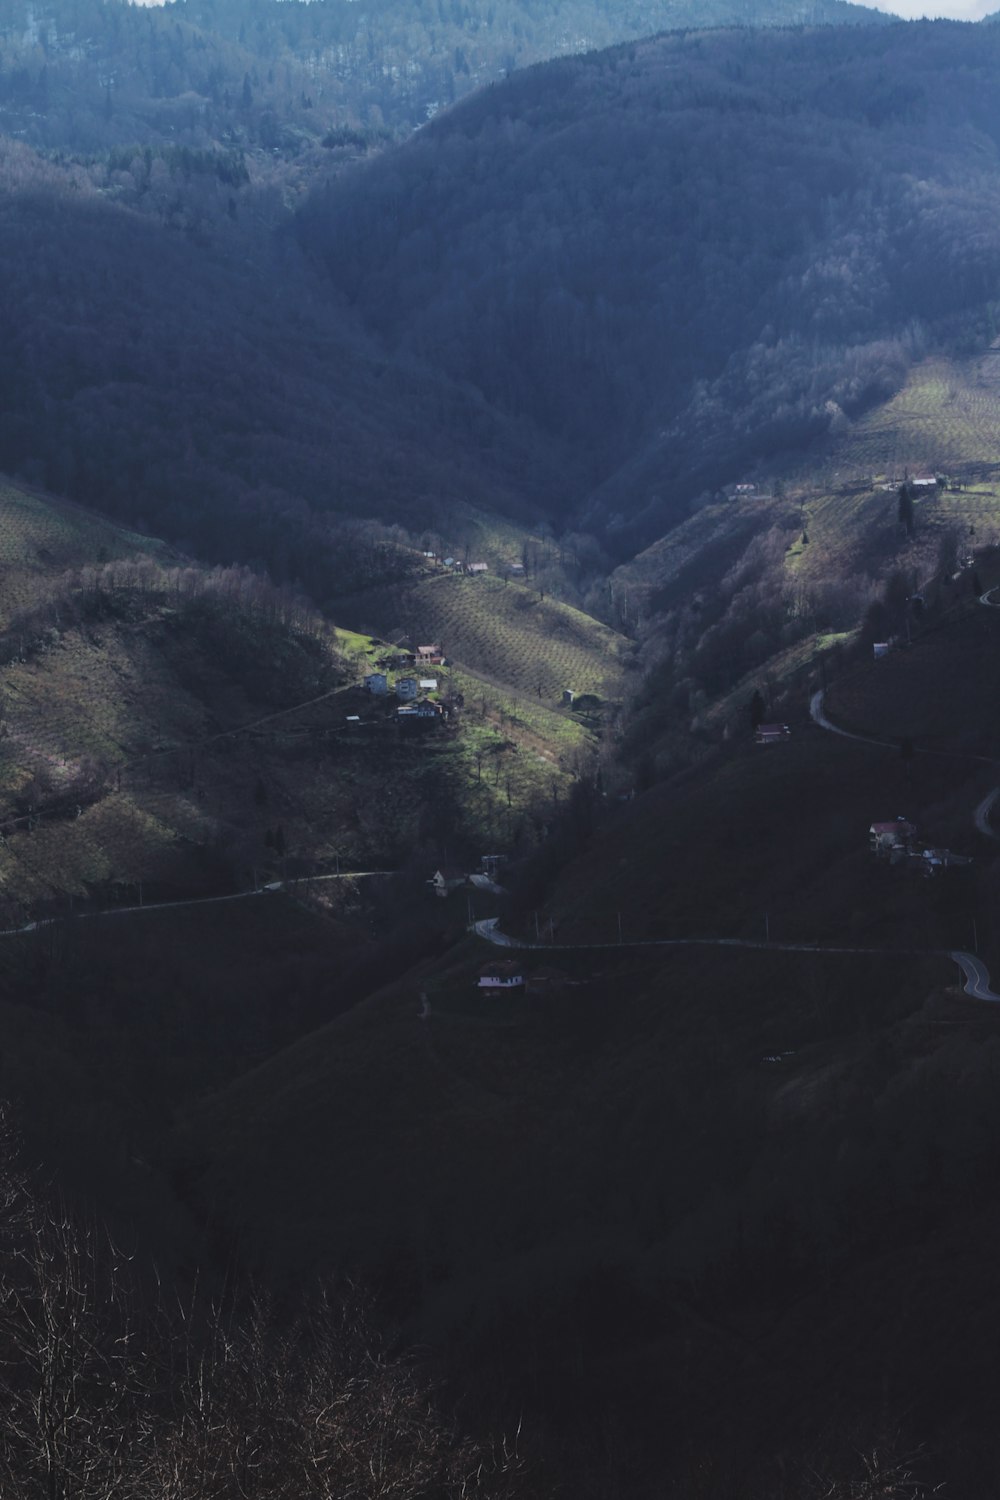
x: 904, y: 507
x: 757, y: 708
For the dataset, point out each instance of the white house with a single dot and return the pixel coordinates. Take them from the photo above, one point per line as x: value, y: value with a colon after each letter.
x: 447, y: 879
x: 478, y: 568
x: 377, y: 683
x: 505, y: 975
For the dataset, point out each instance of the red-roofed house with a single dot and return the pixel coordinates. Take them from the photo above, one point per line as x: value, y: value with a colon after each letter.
x: 886, y: 838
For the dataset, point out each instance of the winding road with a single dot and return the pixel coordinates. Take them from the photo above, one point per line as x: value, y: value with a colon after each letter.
x: 975, y: 974
x: 270, y: 889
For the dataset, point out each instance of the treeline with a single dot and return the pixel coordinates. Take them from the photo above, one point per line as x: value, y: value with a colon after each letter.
x: 679, y: 256
x: 276, y: 75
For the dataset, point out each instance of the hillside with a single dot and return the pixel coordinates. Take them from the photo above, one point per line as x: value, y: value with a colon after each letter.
x: 252, y: 418
x: 670, y: 369
x: 278, y: 77
x: 504, y: 631
x: 190, y: 772
x: 751, y: 1156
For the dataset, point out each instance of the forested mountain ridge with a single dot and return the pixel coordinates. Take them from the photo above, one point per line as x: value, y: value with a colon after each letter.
x: 686, y: 253
x: 569, y: 297
x: 279, y: 73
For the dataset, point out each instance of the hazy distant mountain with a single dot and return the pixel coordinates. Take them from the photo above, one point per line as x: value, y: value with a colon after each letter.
x: 680, y: 254
x: 278, y: 73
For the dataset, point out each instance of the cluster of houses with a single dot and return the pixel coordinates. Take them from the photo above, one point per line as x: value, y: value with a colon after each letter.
x: 471, y: 569
x: 413, y: 708
x: 408, y: 689
x: 897, y: 843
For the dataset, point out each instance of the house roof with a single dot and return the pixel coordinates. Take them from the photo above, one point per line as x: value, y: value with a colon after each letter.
x: 506, y: 968
x: 898, y: 825
x: 422, y: 650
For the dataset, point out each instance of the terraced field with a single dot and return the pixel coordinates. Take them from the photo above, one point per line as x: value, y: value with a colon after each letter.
x: 945, y: 419
x: 503, y: 632
x: 40, y: 538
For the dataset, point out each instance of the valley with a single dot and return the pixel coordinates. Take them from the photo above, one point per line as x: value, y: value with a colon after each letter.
x: 499, y: 741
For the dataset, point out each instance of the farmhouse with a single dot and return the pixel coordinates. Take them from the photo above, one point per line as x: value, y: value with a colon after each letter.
x: 891, y: 840
x: 880, y: 649
x: 406, y: 687
x: 924, y: 482
x: 377, y: 683
x: 430, y: 654
x: 419, y: 715
x: 505, y: 975
x: 932, y: 861
x: 770, y: 734
x: 447, y: 879
x: 478, y: 568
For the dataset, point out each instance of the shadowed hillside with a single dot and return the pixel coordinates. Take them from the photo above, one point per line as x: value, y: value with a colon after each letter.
x: 643, y: 305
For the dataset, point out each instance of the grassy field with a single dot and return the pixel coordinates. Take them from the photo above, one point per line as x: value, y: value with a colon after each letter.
x: 503, y: 632
x: 945, y: 420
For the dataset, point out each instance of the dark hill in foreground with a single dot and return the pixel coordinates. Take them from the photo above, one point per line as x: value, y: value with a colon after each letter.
x: 683, y: 254
x: 688, y: 1181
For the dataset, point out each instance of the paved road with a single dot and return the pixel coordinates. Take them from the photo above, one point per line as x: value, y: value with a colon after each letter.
x: 981, y: 816
x: 974, y: 971
x: 818, y: 715
x: 976, y: 975
x: 149, y: 906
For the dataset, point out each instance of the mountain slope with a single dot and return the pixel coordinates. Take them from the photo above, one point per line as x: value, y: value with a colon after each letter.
x: 184, y: 370
x: 592, y: 243
x: 277, y: 76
